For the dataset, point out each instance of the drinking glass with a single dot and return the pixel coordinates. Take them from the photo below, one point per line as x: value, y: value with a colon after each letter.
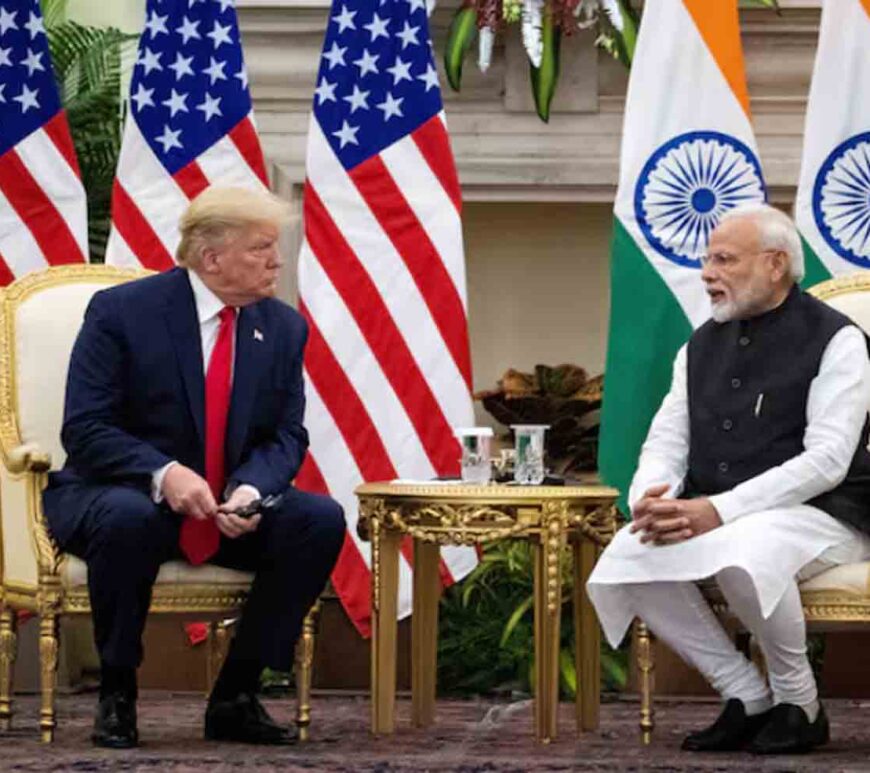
x: 529, y: 450
x: 475, y: 464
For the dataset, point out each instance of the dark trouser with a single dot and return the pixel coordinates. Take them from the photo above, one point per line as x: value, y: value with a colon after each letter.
x: 124, y: 537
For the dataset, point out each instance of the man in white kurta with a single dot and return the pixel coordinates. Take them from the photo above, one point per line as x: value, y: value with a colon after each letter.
x: 757, y: 535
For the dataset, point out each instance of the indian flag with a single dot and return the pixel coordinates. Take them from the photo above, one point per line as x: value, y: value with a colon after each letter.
x: 832, y: 209
x: 688, y: 156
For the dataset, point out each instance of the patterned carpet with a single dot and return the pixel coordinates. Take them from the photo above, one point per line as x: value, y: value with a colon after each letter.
x: 468, y: 736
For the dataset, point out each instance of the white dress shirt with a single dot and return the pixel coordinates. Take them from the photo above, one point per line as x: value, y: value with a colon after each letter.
x: 208, y: 308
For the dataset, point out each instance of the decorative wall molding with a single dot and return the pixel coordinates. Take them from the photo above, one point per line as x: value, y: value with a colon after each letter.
x: 503, y: 151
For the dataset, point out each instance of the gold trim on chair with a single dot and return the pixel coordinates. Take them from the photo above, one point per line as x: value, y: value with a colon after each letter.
x: 841, y: 285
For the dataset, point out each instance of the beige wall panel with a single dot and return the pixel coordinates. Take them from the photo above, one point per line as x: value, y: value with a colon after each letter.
x: 128, y: 15
x: 538, y: 286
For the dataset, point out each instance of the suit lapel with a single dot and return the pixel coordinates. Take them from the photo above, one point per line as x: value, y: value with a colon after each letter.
x: 183, y: 324
x: 251, y: 354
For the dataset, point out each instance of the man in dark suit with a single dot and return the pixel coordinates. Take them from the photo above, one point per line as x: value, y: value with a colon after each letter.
x: 184, y: 403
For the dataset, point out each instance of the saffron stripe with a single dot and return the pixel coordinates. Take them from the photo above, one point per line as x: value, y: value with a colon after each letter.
x: 411, y: 241
x: 137, y: 231
x: 384, y: 339
x: 38, y: 212
x: 350, y: 577
x: 57, y: 130
x: 6, y: 275
x: 434, y: 144
x: 191, y: 180
x: 244, y: 137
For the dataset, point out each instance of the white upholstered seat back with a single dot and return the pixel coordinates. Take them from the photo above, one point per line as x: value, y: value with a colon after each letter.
x: 44, y: 312
x: 46, y: 325
x: 849, y: 295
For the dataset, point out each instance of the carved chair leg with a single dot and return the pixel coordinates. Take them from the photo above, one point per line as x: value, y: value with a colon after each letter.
x: 218, y: 646
x: 8, y: 650
x: 304, y: 671
x: 48, y: 651
x: 644, y: 646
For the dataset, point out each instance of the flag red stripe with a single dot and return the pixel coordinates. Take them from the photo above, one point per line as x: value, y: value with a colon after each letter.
x: 244, y: 137
x: 345, y: 406
x: 6, y: 275
x: 191, y: 180
x: 137, y: 231
x: 348, y: 412
x: 379, y: 329
x: 37, y: 212
x: 389, y: 206
x: 57, y: 130
x: 432, y: 141
x: 350, y: 578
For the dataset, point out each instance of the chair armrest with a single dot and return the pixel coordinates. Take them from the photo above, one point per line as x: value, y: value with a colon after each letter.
x: 28, y: 458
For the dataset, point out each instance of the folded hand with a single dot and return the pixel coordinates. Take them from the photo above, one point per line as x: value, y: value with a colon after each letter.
x: 667, y: 521
x: 188, y: 493
x: 232, y: 525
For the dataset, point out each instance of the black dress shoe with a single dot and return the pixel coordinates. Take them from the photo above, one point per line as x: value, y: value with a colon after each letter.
x: 115, y: 723
x: 244, y: 719
x: 789, y: 731
x: 731, y: 731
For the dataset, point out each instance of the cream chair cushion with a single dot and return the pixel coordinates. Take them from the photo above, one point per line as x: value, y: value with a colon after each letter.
x: 74, y: 573
x: 46, y: 325
x: 847, y: 578
x: 855, y: 305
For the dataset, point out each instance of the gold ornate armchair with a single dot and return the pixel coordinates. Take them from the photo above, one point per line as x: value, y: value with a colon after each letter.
x: 836, y: 599
x: 40, y: 315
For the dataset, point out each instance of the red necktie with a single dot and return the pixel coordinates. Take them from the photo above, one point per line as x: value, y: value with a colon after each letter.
x: 200, y: 539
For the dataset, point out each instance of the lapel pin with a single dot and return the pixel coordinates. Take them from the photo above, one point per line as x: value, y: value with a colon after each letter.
x: 258, y: 336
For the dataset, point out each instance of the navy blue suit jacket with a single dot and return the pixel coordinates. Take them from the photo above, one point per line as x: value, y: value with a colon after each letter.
x: 135, y: 396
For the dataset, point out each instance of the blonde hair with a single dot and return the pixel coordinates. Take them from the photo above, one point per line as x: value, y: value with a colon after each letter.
x: 219, y: 213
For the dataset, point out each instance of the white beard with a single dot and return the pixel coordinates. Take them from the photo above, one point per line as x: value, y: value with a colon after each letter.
x: 724, y: 311
x: 745, y: 304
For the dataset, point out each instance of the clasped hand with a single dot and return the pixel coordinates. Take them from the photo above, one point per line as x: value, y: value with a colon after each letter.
x: 665, y: 521
x: 188, y: 493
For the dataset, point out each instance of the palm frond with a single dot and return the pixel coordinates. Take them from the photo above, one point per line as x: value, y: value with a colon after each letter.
x: 87, y: 64
x: 53, y: 11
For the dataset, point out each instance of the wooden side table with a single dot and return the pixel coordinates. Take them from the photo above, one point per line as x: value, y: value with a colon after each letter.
x: 549, y: 517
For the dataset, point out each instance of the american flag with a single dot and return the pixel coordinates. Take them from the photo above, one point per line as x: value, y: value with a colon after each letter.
x: 381, y: 276
x: 190, y: 125
x: 43, y: 210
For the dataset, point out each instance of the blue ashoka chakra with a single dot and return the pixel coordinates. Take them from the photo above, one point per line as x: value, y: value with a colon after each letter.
x: 841, y: 200
x: 687, y: 185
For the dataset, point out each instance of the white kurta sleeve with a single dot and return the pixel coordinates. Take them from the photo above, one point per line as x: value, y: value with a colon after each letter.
x: 837, y: 405
x: 664, y: 457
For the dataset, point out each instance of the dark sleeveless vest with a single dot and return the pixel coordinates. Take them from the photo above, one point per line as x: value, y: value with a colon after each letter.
x: 748, y: 383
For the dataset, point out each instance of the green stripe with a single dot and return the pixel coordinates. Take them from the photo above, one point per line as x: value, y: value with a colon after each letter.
x: 815, y: 270
x: 647, y: 327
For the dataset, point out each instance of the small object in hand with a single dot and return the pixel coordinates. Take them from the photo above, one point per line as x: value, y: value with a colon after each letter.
x: 258, y: 505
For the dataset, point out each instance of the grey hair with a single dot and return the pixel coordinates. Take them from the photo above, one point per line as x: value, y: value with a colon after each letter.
x: 776, y: 231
